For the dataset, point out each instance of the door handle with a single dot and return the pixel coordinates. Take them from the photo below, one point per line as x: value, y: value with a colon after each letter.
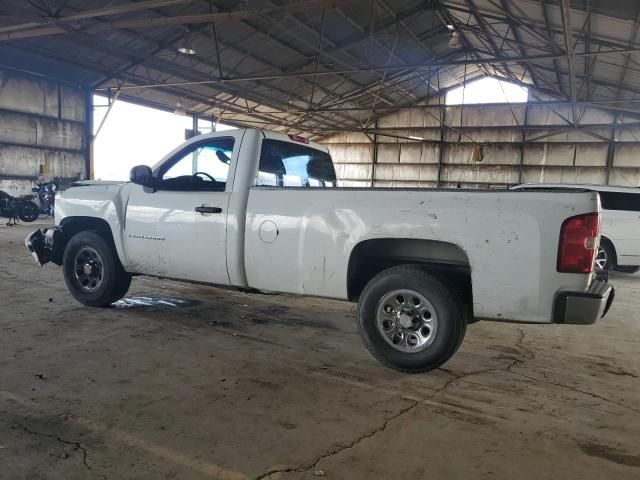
x: 204, y: 209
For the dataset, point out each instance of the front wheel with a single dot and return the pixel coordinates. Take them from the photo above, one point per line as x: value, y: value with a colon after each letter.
x: 409, y: 320
x: 29, y: 211
x: 92, y: 270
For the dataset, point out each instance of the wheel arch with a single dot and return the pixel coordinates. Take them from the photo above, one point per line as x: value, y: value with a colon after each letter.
x: 445, y: 260
x: 607, y: 240
x: 75, y: 224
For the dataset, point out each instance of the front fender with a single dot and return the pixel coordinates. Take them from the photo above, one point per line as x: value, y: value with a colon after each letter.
x: 107, y: 203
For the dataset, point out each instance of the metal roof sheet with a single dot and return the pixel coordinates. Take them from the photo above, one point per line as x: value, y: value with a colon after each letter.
x: 318, y: 65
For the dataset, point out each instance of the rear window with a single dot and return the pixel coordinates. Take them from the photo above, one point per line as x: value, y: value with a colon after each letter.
x: 620, y: 201
x: 286, y: 164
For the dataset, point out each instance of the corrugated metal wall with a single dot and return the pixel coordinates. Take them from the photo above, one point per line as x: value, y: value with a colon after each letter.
x: 42, y: 132
x: 521, y: 142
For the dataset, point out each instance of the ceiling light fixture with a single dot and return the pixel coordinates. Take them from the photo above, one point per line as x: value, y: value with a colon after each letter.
x: 415, y: 138
x: 179, y: 110
x: 455, y: 41
x: 186, y: 44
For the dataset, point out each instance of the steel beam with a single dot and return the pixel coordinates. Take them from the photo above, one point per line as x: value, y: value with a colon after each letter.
x: 99, y: 12
x: 566, y: 25
x: 235, y: 16
x: 415, y: 66
x: 163, y: 66
x: 632, y: 42
x: 484, y: 26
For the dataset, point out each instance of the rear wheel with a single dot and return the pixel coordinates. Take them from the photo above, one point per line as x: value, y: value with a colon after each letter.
x: 409, y: 320
x: 92, y: 271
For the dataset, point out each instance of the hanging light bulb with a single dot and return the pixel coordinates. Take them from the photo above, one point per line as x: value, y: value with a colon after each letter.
x: 186, y: 44
x: 179, y: 110
x: 455, y: 41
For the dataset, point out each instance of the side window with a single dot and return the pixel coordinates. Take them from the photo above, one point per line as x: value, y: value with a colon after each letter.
x: 202, y: 166
x: 620, y: 201
x: 286, y: 164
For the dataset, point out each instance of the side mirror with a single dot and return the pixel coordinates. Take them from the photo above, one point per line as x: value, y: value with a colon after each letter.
x: 141, y: 174
x: 34, y: 189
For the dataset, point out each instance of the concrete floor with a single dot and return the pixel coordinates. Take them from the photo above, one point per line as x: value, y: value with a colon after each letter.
x: 238, y: 386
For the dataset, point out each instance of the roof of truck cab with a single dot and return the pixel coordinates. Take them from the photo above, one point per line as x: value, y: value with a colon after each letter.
x: 268, y: 134
x: 293, y: 139
x: 579, y: 186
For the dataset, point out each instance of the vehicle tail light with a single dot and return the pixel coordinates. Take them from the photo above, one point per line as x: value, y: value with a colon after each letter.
x: 299, y: 139
x: 578, y: 243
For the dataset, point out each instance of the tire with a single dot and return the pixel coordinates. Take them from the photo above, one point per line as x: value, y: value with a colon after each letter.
x: 431, y: 330
x: 122, y: 287
x: 627, y: 268
x: 606, y: 257
x: 92, y: 270
x: 29, y: 211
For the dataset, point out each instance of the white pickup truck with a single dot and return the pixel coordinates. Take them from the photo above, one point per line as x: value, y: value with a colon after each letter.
x: 259, y: 210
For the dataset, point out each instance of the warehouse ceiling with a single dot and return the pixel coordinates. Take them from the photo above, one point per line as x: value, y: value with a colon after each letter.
x: 320, y: 66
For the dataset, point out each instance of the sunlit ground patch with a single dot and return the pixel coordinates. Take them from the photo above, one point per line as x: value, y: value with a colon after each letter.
x: 155, y: 302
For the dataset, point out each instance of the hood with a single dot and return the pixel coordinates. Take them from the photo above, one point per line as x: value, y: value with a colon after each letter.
x: 88, y: 183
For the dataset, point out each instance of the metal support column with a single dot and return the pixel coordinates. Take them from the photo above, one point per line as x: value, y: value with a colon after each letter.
x: 375, y: 156
x: 88, y: 135
x: 524, y: 139
x: 611, y: 149
x: 441, y: 145
x: 194, y: 131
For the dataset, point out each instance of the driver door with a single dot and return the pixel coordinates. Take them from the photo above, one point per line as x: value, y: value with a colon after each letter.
x: 179, y: 230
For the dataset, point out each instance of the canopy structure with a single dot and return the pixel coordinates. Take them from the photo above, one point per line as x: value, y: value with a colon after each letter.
x: 321, y: 66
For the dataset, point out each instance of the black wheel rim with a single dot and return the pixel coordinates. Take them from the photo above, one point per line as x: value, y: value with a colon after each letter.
x: 29, y: 212
x: 88, y: 269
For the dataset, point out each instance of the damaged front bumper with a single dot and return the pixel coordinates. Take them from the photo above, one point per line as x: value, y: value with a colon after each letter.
x: 43, y: 245
x: 584, y: 308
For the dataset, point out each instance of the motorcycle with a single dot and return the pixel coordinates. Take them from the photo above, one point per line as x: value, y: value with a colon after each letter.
x: 46, y: 197
x: 23, y: 208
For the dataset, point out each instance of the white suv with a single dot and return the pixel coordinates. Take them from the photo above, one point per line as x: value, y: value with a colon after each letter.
x: 620, y: 244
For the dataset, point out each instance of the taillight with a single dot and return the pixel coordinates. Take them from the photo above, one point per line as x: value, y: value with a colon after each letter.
x: 578, y: 243
x: 299, y: 139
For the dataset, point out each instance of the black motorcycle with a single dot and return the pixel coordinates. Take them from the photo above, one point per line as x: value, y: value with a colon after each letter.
x: 23, y: 208
x: 47, y: 196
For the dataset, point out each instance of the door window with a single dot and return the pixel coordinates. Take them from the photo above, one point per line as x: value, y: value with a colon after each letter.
x: 201, y: 166
x: 286, y: 164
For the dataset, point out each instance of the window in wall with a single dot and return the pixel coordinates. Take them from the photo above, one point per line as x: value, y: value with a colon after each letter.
x: 487, y: 90
x: 286, y: 164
